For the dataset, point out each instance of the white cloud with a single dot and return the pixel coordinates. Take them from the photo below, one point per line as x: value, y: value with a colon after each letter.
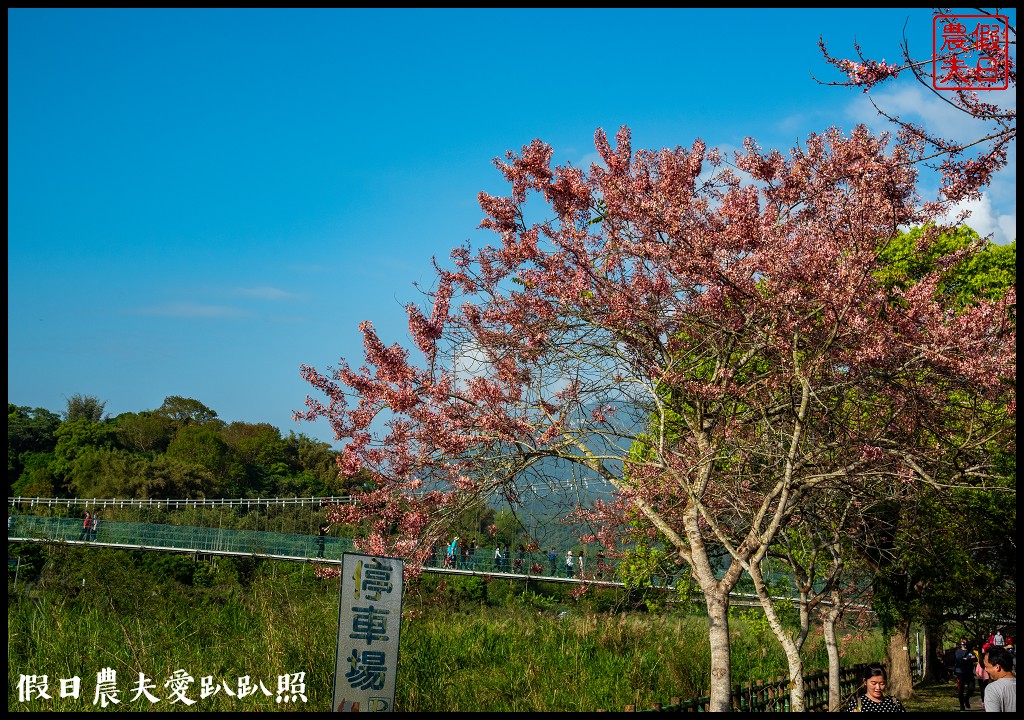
x: 591, y: 158
x: 189, y: 310
x: 986, y: 221
x: 913, y: 102
x: 264, y: 293
x: 469, y: 361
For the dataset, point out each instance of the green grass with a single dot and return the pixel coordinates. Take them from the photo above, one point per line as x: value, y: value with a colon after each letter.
x: 936, y: 697
x: 466, y: 645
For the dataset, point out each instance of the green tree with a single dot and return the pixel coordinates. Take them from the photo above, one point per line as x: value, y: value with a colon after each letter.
x: 117, y: 473
x: 263, y: 453
x: 78, y: 437
x: 317, y: 460
x: 984, y: 274
x: 186, y: 410
x: 85, y: 407
x: 256, y: 444
x: 37, y: 478
x: 29, y: 431
x: 202, y: 446
x: 103, y: 472
x: 145, y: 432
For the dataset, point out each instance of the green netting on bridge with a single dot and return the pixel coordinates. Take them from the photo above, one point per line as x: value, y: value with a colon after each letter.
x: 301, y: 547
x: 178, y: 537
x: 153, y: 536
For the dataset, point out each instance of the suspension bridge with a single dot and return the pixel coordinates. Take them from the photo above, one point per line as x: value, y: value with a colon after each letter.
x: 203, y: 528
x: 168, y: 526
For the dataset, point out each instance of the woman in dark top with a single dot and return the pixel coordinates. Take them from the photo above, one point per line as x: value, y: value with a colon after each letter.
x: 874, y: 698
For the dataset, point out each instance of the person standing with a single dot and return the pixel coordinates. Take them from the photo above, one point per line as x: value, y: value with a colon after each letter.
x: 964, y: 661
x: 874, y: 698
x: 94, y: 525
x: 463, y: 553
x: 321, y: 539
x: 499, y: 559
x: 980, y: 672
x: 998, y: 640
x: 473, y: 547
x: 580, y: 560
x: 86, y: 526
x: 517, y: 564
x: 552, y: 559
x: 569, y: 564
x: 453, y: 552
x: 1001, y: 690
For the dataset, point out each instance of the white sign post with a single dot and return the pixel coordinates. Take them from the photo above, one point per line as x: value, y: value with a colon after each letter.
x: 369, y: 619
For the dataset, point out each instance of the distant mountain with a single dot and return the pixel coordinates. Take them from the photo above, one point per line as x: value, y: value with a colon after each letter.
x: 553, y: 486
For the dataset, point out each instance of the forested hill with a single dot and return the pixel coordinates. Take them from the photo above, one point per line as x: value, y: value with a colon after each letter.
x: 183, y: 450
x: 179, y: 450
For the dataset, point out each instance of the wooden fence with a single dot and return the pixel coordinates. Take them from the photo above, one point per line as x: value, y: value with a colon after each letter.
x: 772, y: 695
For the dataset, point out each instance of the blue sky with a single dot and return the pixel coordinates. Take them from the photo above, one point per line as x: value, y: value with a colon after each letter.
x: 200, y: 201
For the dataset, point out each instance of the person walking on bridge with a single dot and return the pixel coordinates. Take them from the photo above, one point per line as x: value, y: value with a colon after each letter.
x: 451, y: 557
x: 321, y: 540
x: 86, y: 527
x: 517, y: 564
x: 473, y: 547
x: 94, y: 525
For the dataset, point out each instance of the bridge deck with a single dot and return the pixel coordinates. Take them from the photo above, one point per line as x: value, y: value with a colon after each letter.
x: 239, y: 543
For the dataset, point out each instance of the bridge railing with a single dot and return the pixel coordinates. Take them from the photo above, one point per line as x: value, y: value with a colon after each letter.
x: 149, y: 535
x: 235, y: 541
x: 175, y: 504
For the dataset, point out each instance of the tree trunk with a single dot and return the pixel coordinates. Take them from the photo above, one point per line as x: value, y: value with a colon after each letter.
x: 789, y: 646
x: 828, y: 629
x: 718, y: 633
x: 933, y: 654
x: 901, y: 678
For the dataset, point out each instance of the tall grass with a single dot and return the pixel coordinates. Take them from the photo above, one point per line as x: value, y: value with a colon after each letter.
x: 516, y: 661
x: 465, y: 646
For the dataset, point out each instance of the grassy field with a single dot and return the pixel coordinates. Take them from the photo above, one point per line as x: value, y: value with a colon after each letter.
x: 466, y: 646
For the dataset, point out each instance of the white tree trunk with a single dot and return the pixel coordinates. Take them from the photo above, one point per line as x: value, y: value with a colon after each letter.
x: 828, y: 630
x: 718, y: 632
x: 789, y: 645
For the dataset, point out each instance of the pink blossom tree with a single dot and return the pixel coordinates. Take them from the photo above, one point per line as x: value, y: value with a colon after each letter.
x: 706, y: 337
